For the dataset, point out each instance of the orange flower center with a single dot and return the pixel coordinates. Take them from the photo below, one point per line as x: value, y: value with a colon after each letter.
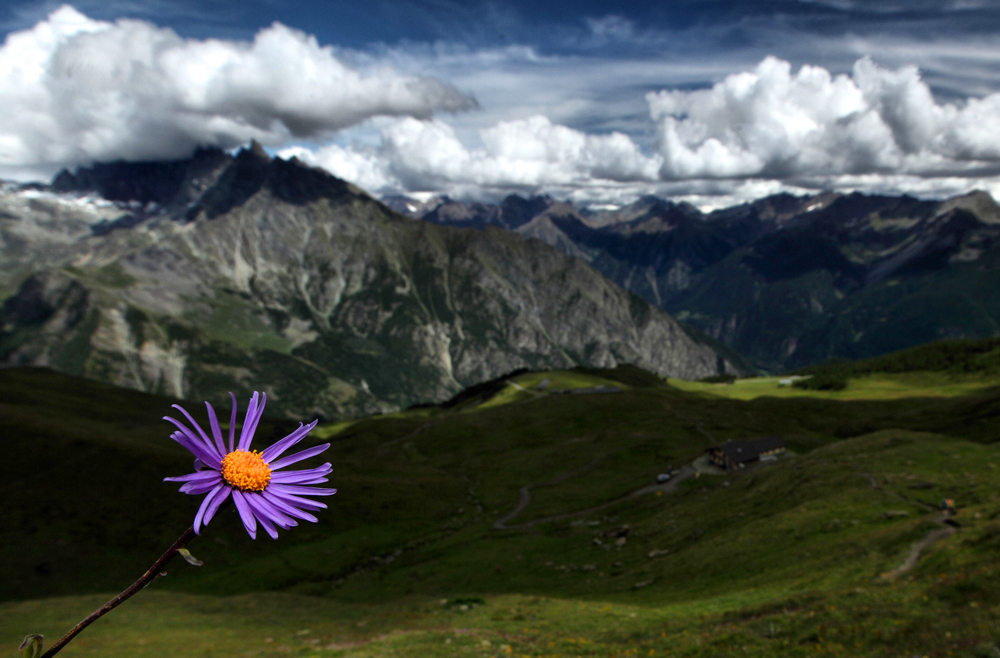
x: 245, y: 471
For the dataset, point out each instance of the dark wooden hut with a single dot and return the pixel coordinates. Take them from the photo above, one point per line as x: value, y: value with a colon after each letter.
x: 736, y: 454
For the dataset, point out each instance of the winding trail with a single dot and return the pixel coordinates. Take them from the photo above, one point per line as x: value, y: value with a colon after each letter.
x: 947, y: 528
x: 384, y: 448
x: 501, y: 524
x: 914, y: 554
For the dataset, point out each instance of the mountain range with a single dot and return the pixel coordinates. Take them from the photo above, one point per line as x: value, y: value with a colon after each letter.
x: 785, y: 281
x: 242, y: 272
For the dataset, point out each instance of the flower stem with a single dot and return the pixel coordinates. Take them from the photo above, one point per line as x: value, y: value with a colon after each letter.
x: 146, y: 578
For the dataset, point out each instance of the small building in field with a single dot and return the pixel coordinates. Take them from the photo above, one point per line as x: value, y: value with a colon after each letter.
x: 736, y: 454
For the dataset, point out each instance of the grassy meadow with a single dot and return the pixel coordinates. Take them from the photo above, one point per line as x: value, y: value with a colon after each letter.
x: 880, y: 386
x: 839, y: 548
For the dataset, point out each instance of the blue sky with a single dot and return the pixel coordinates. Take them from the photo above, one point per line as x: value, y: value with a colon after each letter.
x: 711, y: 101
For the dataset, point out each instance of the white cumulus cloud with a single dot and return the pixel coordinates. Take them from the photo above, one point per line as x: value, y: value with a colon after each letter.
x: 525, y: 155
x: 77, y: 90
x: 767, y: 129
x: 773, y: 123
x: 359, y: 165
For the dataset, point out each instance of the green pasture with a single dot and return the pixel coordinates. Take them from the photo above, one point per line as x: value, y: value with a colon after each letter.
x: 863, y: 387
x: 947, y: 368
x: 800, y: 557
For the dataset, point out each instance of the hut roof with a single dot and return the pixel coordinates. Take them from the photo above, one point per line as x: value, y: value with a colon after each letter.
x: 748, y: 450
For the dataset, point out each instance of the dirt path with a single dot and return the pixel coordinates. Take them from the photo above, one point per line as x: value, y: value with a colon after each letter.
x: 501, y: 524
x: 947, y: 528
x: 384, y: 448
x: 914, y: 554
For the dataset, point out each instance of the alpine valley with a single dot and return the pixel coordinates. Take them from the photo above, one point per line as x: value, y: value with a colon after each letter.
x: 785, y: 281
x: 227, y: 273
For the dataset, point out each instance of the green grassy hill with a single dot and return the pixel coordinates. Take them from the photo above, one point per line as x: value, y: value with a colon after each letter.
x: 957, y: 357
x: 941, y: 369
x: 791, y: 558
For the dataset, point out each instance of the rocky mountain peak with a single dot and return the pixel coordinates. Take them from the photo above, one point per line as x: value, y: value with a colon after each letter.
x: 258, y: 271
x: 978, y: 202
x: 256, y: 150
x: 516, y: 211
x: 253, y: 171
x: 790, y: 280
x: 158, y: 182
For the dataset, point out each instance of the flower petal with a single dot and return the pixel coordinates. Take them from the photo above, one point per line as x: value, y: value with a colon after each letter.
x: 288, y: 476
x: 303, y: 503
x: 254, y: 412
x: 268, y: 526
x: 213, y: 422
x: 201, y: 432
x: 292, y: 505
x: 281, y: 446
x: 198, y: 488
x: 305, y: 479
x: 204, y: 506
x: 273, y: 513
x: 196, y: 476
x: 246, y: 514
x: 220, y: 498
x: 232, y: 422
x: 261, y: 514
x: 299, y: 456
x: 195, y: 447
x: 302, y: 491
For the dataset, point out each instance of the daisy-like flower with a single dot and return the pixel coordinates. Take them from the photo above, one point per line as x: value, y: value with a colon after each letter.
x: 259, y: 492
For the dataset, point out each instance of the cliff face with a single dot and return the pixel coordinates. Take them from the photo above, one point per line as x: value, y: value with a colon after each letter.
x: 786, y: 281
x: 250, y: 273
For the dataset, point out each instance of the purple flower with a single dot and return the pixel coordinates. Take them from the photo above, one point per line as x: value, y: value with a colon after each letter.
x: 260, y: 494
